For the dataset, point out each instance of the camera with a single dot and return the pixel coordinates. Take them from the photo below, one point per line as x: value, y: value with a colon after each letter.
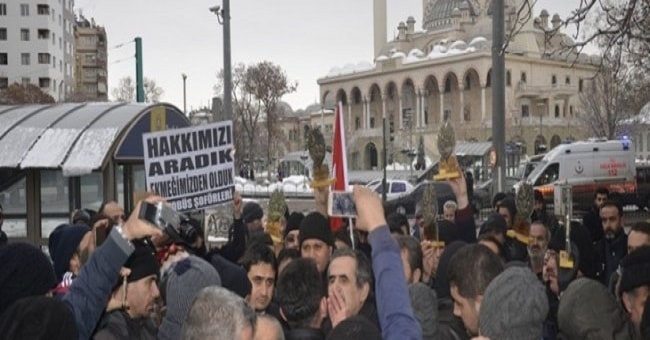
x: 179, y: 227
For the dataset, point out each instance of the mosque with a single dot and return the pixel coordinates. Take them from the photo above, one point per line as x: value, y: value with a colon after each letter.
x: 443, y: 70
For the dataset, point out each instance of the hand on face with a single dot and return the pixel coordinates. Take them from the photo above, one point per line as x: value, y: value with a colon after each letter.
x: 337, y: 308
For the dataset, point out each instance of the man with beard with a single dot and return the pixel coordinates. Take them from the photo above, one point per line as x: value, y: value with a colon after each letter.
x: 613, y: 247
x: 592, y: 220
x: 537, y: 245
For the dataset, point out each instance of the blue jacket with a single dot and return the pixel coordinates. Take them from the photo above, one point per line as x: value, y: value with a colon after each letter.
x: 90, y: 291
x: 393, y: 302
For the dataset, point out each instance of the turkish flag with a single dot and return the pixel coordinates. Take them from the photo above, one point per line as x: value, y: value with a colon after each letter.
x: 339, y: 162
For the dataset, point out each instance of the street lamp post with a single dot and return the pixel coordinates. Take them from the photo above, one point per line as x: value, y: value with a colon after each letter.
x: 223, y: 16
x: 184, y: 94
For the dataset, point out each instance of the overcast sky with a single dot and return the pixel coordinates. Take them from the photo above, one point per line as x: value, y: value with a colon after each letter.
x: 305, y: 37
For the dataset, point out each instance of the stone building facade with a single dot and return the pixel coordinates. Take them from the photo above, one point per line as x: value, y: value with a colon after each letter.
x: 444, y: 71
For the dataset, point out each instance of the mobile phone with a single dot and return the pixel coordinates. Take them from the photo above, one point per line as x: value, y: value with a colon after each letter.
x: 161, y: 215
x: 341, y: 204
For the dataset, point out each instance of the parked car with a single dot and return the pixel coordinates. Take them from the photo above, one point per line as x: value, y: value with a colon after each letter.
x: 483, y: 192
x: 396, y: 187
x: 408, y: 203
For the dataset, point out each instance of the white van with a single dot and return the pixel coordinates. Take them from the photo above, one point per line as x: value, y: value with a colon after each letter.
x: 587, y: 166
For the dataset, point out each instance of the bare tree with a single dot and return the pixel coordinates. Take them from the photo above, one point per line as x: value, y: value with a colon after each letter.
x: 268, y: 83
x: 125, y: 91
x: 615, y: 94
x: 24, y: 94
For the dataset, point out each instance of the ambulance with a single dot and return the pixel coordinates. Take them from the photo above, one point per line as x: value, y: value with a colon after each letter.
x: 585, y: 166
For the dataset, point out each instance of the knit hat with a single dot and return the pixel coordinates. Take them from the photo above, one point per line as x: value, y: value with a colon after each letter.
x: 635, y: 269
x: 425, y: 309
x: 38, y: 317
x: 315, y: 225
x: 183, y: 281
x: 251, y: 212
x: 354, y: 328
x: 293, y: 222
x: 63, y: 243
x: 142, y: 263
x: 495, y: 223
x: 514, y: 306
x: 26, y: 271
x: 588, y: 311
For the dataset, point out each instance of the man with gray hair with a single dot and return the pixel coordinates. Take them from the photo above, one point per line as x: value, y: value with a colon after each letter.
x: 350, y: 287
x: 449, y: 211
x: 218, y: 314
x: 268, y: 328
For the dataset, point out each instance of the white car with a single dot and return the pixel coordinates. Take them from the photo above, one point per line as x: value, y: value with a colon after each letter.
x: 396, y: 187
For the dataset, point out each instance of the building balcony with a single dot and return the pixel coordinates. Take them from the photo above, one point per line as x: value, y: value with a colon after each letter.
x: 524, y: 90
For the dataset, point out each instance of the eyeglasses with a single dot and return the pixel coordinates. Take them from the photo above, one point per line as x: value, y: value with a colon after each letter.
x: 290, y: 239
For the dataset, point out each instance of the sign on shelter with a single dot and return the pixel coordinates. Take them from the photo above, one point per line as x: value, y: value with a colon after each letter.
x: 192, y: 167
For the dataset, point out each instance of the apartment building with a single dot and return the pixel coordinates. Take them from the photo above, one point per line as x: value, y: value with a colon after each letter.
x: 37, y: 44
x: 90, y: 64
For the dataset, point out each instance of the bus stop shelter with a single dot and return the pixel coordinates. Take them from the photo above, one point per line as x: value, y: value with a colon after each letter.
x: 58, y: 158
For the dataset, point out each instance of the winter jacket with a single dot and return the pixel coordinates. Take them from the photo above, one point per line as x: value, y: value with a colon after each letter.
x: 591, y: 220
x: 117, y: 325
x: 450, y: 327
x: 305, y: 334
x: 609, y: 254
x: 393, y: 303
x: 90, y: 291
x: 466, y: 225
x: 237, y: 236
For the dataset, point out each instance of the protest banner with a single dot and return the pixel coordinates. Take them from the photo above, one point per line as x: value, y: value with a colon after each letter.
x: 192, y: 167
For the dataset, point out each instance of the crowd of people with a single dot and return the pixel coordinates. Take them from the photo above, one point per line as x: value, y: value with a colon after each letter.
x: 107, y: 275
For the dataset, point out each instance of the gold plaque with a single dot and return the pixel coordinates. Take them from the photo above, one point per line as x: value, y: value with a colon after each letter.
x: 317, y: 151
x: 448, y: 168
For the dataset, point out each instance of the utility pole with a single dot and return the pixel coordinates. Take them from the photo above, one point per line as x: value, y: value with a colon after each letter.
x: 227, y: 73
x: 139, y: 78
x: 223, y: 16
x: 384, y: 161
x: 184, y: 94
x: 498, y: 95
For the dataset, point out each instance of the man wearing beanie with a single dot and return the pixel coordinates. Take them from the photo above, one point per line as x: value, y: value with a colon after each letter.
x: 292, y: 230
x: 25, y: 272
x: 316, y: 240
x: 588, y: 311
x: 70, y: 248
x: 514, y: 306
x: 633, y: 286
x: 133, y: 299
x: 180, y: 284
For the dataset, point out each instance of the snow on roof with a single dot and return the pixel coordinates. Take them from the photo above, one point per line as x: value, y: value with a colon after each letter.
x: 350, y: 68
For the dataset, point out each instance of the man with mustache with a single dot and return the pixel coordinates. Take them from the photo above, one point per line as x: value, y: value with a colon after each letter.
x: 539, y: 237
x: 613, y: 247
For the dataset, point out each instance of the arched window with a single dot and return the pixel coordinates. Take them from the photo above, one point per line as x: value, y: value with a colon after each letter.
x: 448, y: 85
x: 524, y: 77
x: 557, y: 111
x: 554, y: 80
x: 508, y: 78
